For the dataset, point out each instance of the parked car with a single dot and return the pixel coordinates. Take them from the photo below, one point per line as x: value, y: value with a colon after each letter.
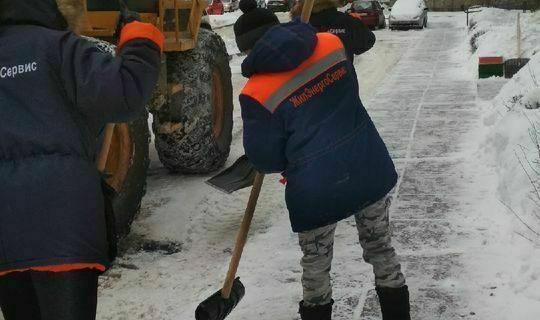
x: 406, y: 14
x: 370, y: 13
x: 230, y: 5
x: 216, y: 7
x: 278, y: 5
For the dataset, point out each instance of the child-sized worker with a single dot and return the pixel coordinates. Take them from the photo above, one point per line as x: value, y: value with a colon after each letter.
x: 303, y: 117
x: 57, y: 91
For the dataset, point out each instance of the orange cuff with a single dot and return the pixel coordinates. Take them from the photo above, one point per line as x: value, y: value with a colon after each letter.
x: 355, y: 15
x: 136, y: 29
x: 60, y: 268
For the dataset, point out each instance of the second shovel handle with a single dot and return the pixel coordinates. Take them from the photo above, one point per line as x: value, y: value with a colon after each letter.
x: 241, y: 237
x: 306, y: 10
x: 105, y: 147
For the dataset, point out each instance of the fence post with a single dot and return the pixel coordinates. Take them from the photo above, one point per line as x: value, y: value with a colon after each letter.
x: 518, y: 36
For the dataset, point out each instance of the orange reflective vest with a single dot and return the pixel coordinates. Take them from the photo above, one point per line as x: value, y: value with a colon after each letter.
x: 271, y: 89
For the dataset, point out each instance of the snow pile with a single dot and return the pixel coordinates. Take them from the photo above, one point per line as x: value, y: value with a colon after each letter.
x: 514, y: 138
x: 224, y: 20
x: 493, y: 32
x: 512, y: 148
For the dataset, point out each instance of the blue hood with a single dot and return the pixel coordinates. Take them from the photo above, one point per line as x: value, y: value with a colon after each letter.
x: 282, y: 48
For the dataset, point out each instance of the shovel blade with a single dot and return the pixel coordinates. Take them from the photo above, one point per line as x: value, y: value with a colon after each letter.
x: 217, y: 308
x: 238, y: 176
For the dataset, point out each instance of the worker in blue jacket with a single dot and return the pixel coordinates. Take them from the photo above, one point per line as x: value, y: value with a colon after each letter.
x: 57, y: 91
x: 325, y: 17
x: 303, y: 117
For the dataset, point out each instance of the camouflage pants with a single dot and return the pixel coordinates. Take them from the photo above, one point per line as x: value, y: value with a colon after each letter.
x: 374, y: 232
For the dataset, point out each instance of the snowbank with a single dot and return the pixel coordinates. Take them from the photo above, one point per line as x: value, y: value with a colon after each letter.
x: 224, y: 20
x: 514, y: 139
x: 494, y: 32
x: 511, y: 145
x: 513, y: 142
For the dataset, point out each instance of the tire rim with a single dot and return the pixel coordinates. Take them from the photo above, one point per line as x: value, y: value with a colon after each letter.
x: 217, y: 103
x: 120, y: 154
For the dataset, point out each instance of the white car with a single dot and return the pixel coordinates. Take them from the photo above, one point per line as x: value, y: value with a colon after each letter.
x: 230, y: 5
x: 406, y: 14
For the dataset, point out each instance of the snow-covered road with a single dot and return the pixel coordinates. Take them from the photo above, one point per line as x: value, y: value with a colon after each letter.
x: 424, y: 102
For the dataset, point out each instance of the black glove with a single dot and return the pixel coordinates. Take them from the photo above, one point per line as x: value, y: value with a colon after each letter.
x: 126, y: 16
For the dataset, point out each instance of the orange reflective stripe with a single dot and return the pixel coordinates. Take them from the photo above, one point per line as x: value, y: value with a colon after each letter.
x: 59, y: 268
x: 303, y: 77
x: 270, y: 89
x: 355, y: 15
x: 136, y: 29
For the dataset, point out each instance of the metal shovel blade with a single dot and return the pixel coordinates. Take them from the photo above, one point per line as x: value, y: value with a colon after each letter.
x: 238, y: 176
x: 218, y: 308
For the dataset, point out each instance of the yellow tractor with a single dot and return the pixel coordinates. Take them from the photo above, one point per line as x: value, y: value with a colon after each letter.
x: 192, y: 106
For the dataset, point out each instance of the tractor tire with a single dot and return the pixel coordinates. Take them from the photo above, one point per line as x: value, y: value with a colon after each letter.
x: 193, y: 130
x: 127, y: 163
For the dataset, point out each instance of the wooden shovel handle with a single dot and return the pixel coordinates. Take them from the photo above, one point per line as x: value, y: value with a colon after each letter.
x: 306, y: 10
x: 105, y: 147
x: 241, y: 237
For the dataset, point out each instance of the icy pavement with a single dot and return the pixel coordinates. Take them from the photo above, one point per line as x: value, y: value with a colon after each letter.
x: 425, y: 106
x: 426, y: 112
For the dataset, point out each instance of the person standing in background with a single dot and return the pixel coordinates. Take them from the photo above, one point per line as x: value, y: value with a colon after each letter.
x: 325, y: 17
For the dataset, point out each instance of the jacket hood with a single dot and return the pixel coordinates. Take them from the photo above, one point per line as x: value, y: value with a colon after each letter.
x: 44, y: 13
x: 282, y: 48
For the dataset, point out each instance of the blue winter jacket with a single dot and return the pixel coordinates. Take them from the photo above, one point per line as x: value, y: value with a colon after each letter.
x: 57, y: 91
x: 303, y: 116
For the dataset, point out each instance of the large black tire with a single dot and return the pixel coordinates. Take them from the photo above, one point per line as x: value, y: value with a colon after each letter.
x: 127, y: 203
x: 127, y: 164
x: 190, y: 135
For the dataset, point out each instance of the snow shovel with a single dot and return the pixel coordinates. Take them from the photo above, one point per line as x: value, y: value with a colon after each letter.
x: 242, y: 173
x: 238, y: 176
x: 219, y: 305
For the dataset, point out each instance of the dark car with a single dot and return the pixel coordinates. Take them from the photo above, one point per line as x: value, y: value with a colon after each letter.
x: 370, y: 12
x: 278, y: 5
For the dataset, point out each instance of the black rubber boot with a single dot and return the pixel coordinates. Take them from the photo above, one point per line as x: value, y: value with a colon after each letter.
x: 323, y: 312
x: 394, y: 303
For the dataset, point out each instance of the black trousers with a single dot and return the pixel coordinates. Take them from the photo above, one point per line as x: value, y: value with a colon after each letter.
x: 33, y: 295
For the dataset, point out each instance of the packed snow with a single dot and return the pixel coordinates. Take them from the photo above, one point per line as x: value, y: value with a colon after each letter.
x: 224, y: 20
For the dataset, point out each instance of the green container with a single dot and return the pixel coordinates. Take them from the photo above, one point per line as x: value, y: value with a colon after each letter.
x: 490, y: 70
